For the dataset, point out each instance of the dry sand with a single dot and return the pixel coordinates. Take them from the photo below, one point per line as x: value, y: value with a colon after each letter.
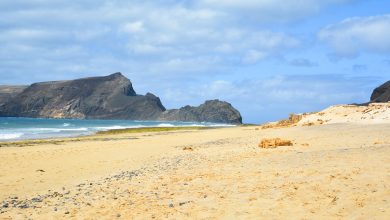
x: 374, y: 113
x: 335, y: 171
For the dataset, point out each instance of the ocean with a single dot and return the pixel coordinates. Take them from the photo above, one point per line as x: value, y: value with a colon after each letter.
x: 12, y: 129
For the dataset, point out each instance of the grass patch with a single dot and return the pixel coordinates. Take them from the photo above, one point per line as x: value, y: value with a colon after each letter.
x: 25, y: 143
x: 248, y: 125
x: 59, y: 141
x: 150, y: 129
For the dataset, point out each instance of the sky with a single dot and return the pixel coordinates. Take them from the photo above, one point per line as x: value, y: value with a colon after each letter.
x: 268, y: 58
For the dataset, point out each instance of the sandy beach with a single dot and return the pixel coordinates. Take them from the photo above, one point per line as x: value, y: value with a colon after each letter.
x: 198, y: 110
x: 332, y: 171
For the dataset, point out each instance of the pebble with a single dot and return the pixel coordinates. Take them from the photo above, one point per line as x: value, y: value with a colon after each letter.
x: 36, y: 199
x: 171, y: 205
x: 55, y: 209
x: 5, y: 205
x: 118, y: 215
x: 24, y: 206
x: 67, y: 212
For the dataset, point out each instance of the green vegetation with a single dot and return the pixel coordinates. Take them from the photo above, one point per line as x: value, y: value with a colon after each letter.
x: 24, y: 143
x: 150, y: 129
x: 248, y: 125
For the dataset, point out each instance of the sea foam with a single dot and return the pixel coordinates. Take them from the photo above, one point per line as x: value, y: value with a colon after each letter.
x: 10, y: 136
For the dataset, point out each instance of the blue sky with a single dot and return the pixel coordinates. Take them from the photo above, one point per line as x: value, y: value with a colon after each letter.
x: 268, y: 58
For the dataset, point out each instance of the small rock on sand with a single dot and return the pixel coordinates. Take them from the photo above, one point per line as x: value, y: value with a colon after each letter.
x: 274, y: 142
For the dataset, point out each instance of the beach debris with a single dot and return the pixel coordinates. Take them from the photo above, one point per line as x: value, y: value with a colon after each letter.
x: 40, y: 170
x: 274, y: 142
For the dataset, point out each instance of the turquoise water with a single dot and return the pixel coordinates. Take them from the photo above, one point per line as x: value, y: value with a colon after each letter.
x: 37, y: 128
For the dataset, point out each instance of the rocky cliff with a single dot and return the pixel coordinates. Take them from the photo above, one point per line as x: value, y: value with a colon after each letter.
x: 108, y: 97
x: 9, y: 92
x: 382, y: 93
x: 211, y: 111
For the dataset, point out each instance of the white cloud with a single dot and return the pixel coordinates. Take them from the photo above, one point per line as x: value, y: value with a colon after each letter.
x: 355, y: 35
x: 133, y: 27
x: 30, y: 34
x: 253, y: 56
x: 151, y: 33
x: 271, y: 10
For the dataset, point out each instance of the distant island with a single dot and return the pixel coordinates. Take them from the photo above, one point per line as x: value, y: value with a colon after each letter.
x: 107, y: 97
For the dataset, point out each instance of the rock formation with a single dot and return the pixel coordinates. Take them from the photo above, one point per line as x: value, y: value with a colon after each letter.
x: 9, y: 92
x: 108, y: 97
x: 382, y: 93
x: 211, y: 111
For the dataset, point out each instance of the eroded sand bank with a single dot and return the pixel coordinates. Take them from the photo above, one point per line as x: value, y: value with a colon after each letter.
x: 331, y: 171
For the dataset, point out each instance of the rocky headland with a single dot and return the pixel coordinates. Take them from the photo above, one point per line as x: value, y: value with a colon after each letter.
x: 212, y: 110
x: 382, y: 93
x: 9, y: 92
x: 107, y: 97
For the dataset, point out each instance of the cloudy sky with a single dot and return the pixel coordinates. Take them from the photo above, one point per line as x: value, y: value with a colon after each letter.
x: 267, y: 57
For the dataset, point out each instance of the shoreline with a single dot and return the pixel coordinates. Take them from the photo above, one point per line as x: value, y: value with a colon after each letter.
x: 333, y: 171
x: 16, y: 129
x: 99, y: 135
x: 96, y: 135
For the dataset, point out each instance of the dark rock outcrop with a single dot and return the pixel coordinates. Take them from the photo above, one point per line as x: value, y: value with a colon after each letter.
x: 382, y: 93
x: 108, y: 97
x: 211, y: 111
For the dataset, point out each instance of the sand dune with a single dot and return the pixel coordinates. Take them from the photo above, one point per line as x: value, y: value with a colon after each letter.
x: 332, y: 171
x: 372, y: 113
